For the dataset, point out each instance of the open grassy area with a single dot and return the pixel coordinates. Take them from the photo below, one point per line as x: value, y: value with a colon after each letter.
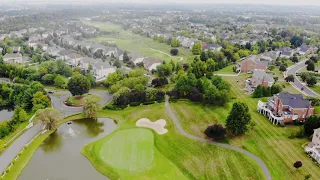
x: 128, y: 41
x: 195, y: 159
x: 76, y: 100
x: 316, y: 88
x: 269, y: 142
x: 132, y: 155
x: 226, y: 70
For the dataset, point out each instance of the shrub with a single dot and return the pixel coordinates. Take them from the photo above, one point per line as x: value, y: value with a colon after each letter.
x: 148, y: 102
x: 282, y: 125
x: 135, y: 104
x: 215, y: 132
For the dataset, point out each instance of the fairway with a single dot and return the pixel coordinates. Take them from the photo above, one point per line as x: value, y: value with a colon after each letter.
x: 126, y: 40
x: 130, y: 149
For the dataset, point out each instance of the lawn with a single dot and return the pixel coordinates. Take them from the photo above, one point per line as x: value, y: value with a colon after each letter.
x: 316, y: 88
x: 128, y: 41
x: 132, y: 155
x: 76, y: 100
x: 269, y: 142
x: 226, y: 70
x: 106, y: 26
x: 196, y: 160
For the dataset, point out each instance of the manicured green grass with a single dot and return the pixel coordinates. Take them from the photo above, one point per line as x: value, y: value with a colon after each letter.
x: 226, y: 70
x: 197, y: 160
x: 269, y: 142
x: 316, y: 88
x: 76, y: 100
x: 317, y: 109
x: 132, y: 155
x: 128, y: 41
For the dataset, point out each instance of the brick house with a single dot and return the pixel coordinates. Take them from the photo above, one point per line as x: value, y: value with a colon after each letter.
x: 313, y: 148
x: 252, y: 63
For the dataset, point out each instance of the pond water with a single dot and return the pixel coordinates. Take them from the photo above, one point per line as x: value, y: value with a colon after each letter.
x: 6, y: 113
x: 59, y: 157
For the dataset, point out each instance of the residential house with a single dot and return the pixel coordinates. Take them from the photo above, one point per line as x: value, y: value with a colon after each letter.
x: 306, y: 49
x: 261, y: 78
x: 73, y: 59
x: 1, y: 49
x: 313, y: 148
x: 151, y: 63
x: 269, y: 56
x: 101, y: 70
x: 16, y: 49
x: 63, y: 54
x: 285, y: 107
x: 286, y: 52
x: 86, y: 62
x: 53, y: 51
x: 214, y: 47
x: 252, y: 63
x: 12, y: 58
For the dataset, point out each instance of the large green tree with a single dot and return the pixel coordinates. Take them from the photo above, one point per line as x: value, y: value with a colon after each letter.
x: 40, y: 101
x: 91, y: 106
x: 49, y: 118
x: 79, y: 85
x: 197, y: 48
x: 238, y: 119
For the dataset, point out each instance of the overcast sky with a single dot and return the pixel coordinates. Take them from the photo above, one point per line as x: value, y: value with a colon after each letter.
x: 281, y: 2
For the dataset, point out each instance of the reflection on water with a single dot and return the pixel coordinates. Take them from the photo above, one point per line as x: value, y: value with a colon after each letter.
x: 59, y: 155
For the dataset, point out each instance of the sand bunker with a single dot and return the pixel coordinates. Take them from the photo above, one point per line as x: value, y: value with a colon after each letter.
x: 157, y: 126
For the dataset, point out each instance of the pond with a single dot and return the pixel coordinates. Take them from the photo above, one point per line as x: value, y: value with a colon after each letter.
x: 6, y: 113
x: 59, y: 155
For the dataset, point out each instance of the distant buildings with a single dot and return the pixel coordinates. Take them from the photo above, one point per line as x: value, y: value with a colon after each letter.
x: 313, y: 148
x: 12, y: 58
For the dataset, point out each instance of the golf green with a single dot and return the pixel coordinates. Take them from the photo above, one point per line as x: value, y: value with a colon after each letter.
x: 130, y: 149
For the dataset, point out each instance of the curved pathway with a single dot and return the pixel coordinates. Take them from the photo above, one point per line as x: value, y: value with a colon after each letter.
x: 180, y: 129
x: 297, y: 83
x: 181, y: 58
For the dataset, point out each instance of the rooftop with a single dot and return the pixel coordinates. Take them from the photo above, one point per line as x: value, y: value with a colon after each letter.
x: 293, y: 100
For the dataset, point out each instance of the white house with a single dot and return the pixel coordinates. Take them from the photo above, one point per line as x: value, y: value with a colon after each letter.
x: 12, y: 58
x: 86, y: 62
x: 313, y: 148
x: 151, y: 63
x: 102, y: 70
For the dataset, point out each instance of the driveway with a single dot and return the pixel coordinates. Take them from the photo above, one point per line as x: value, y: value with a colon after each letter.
x: 181, y: 130
x: 297, y: 83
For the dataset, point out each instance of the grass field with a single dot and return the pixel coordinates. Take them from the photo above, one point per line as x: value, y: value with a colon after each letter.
x: 128, y: 41
x: 269, y: 142
x: 196, y: 160
x: 226, y: 70
x: 132, y: 155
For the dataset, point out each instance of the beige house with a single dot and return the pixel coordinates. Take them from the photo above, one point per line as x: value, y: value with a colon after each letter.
x: 313, y: 148
x: 12, y: 58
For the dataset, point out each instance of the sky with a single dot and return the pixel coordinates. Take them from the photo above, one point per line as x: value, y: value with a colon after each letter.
x: 279, y: 2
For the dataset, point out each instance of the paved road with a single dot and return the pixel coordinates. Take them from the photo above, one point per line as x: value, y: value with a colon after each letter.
x: 9, y: 154
x: 180, y: 129
x: 297, y: 83
x: 57, y: 103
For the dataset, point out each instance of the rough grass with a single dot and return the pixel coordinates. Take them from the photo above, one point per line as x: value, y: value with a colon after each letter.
x: 197, y: 160
x: 267, y: 141
x: 226, y: 70
x: 128, y: 41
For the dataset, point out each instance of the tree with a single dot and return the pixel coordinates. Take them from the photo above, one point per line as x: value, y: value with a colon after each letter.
x: 59, y: 81
x: 79, y: 85
x: 48, y: 79
x: 158, y: 82
x: 49, y: 118
x: 310, y: 66
x: 199, y: 69
x: 297, y: 164
x: 311, y: 123
x: 77, y: 70
x: 174, y: 52
x: 63, y: 69
x: 311, y: 81
x: 185, y: 83
x: 282, y: 68
x: 204, y: 56
x: 117, y: 63
x: 164, y: 70
x: 125, y: 57
x: 113, y: 78
x: 215, y: 132
x: 175, y: 42
x: 290, y: 78
x: 19, y: 115
x: 295, y: 59
x: 91, y: 106
x: 40, y: 101
x: 238, y: 118
x: 197, y: 48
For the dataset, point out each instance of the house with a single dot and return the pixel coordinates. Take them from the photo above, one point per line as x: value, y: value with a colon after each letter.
x: 12, y: 58
x: 306, y: 49
x: 261, y: 78
x: 86, y: 62
x: 313, y: 148
x: 269, y: 56
x: 63, y: 54
x: 101, y: 70
x: 73, y: 59
x: 16, y: 49
x: 286, y: 52
x: 252, y: 63
x: 151, y: 63
x: 1, y: 49
x: 214, y: 47
x: 53, y: 51
x: 285, y: 107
